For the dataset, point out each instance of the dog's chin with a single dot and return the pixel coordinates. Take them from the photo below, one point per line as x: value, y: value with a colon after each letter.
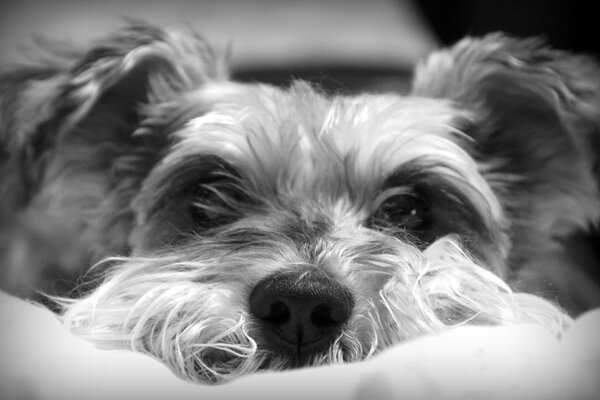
x: 224, y: 362
x: 217, y: 365
x: 194, y: 315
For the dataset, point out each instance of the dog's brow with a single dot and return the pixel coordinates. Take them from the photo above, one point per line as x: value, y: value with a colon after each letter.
x: 216, y: 167
x: 408, y: 173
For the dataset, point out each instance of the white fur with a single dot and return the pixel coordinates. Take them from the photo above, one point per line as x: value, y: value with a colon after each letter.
x: 190, y: 313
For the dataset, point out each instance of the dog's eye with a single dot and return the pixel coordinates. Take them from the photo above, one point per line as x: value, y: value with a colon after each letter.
x: 404, y: 210
x: 216, y: 204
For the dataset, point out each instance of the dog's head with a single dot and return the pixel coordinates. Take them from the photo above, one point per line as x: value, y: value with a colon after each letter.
x: 276, y: 227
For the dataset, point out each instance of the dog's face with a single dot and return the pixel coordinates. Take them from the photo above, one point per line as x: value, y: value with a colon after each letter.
x: 293, y: 166
x: 291, y: 217
x: 271, y: 227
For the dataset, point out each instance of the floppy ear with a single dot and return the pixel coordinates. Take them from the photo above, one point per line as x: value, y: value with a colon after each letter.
x: 78, y: 134
x: 536, y: 131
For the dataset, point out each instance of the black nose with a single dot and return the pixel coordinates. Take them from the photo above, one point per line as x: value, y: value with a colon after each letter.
x: 301, y: 312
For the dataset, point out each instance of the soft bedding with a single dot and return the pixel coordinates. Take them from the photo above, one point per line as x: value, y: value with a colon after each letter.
x: 41, y: 360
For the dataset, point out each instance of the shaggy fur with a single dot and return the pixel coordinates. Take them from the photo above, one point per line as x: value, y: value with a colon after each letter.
x: 428, y: 208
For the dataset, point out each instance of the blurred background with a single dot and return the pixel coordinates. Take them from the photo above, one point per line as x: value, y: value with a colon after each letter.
x: 566, y: 24
x: 344, y: 45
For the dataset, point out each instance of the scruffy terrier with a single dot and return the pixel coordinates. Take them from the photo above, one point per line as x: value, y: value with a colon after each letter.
x: 255, y: 227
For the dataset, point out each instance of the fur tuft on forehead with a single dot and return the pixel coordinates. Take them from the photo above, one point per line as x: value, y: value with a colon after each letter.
x: 300, y: 137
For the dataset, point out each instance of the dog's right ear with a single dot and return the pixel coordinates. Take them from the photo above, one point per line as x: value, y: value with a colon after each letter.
x: 74, y: 143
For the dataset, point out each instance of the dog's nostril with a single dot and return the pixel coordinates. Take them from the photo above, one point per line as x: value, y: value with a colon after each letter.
x: 300, y: 311
x: 322, y: 316
x: 280, y: 313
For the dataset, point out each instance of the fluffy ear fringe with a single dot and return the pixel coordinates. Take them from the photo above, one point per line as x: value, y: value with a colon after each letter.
x: 141, y: 61
x: 43, y: 103
x: 537, y: 133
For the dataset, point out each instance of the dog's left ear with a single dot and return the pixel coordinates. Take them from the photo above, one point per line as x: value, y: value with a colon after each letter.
x: 536, y: 130
x: 97, y: 100
x: 75, y: 144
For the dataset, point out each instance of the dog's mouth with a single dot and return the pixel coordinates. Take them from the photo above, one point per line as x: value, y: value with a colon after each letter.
x: 302, y: 351
x: 218, y: 364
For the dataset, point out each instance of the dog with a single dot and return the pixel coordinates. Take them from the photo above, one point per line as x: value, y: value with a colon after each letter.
x: 238, y: 227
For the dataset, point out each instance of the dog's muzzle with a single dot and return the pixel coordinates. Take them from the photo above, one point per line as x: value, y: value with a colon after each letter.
x: 300, y: 312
